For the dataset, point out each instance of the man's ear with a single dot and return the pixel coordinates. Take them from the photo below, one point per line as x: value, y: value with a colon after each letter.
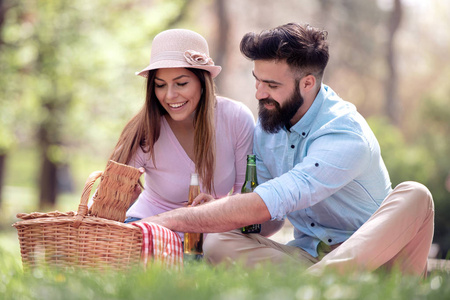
x: 307, y: 83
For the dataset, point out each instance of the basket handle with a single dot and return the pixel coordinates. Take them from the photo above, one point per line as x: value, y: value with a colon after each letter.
x: 82, y: 207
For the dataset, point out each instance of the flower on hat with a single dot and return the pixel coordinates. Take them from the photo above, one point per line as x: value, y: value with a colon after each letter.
x: 197, y: 58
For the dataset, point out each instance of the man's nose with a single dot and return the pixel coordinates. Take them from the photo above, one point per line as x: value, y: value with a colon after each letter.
x: 261, y: 92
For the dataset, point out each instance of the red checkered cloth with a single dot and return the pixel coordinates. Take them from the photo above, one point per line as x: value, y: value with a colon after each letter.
x: 161, y: 244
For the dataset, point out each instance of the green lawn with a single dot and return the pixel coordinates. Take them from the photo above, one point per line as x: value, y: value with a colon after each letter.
x: 198, y: 281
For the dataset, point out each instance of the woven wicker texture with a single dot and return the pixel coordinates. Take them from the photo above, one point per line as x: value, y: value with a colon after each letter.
x: 80, y: 240
x: 97, y: 243
x: 115, y: 192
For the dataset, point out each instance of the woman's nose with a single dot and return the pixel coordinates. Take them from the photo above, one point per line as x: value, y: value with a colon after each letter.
x: 171, y: 93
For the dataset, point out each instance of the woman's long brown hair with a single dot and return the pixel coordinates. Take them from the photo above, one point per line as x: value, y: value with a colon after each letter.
x: 144, y: 128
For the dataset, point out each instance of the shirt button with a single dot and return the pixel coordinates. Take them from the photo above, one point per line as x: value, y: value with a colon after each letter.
x: 312, y: 224
x: 303, y: 133
x: 330, y: 240
x: 316, y: 164
x: 292, y: 146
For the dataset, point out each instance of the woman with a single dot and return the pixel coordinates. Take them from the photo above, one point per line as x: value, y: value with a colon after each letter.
x: 184, y: 128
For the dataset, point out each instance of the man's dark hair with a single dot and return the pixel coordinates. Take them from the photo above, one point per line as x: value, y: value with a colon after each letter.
x: 304, y: 48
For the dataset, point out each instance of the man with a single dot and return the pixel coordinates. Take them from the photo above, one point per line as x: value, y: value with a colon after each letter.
x: 319, y: 165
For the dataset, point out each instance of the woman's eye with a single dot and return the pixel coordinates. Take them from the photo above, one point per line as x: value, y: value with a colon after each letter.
x: 159, y: 85
x: 182, y: 83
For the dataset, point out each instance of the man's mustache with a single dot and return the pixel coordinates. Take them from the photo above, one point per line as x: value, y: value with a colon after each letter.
x: 268, y: 101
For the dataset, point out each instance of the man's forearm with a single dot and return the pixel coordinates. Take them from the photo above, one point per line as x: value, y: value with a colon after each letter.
x: 217, y: 216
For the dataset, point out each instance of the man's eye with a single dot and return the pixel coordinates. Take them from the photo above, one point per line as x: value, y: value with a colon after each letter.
x: 273, y: 86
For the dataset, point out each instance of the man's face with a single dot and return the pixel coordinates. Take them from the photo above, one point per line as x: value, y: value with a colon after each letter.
x: 278, y: 93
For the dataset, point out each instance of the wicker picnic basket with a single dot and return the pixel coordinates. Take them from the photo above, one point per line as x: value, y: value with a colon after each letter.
x: 89, y: 238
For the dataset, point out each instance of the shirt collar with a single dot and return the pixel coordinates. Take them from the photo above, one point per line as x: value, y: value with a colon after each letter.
x: 303, y: 126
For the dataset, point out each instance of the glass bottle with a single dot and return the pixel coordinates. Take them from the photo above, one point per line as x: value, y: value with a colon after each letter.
x: 193, y: 242
x: 250, y: 183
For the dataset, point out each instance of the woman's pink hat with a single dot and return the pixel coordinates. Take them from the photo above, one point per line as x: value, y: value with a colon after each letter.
x: 180, y: 48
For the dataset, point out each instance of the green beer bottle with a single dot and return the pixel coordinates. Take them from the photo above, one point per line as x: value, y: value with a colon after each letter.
x: 250, y: 183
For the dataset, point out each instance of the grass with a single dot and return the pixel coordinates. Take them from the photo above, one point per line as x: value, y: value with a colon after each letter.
x: 199, y: 280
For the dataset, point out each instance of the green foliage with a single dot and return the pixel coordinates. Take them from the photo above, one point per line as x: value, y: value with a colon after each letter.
x: 199, y: 281
x: 404, y: 162
x: 426, y: 160
x: 20, y: 194
x: 69, y: 66
x: 435, y: 136
x: 67, y: 76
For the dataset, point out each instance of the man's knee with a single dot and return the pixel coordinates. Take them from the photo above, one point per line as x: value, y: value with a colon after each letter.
x: 417, y: 194
x: 211, y: 244
x: 219, y: 247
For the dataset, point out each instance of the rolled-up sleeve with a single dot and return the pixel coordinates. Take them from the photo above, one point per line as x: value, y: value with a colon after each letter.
x: 333, y: 159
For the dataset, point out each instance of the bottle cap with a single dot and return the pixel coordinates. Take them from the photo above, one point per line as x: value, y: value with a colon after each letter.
x: 194, y: 179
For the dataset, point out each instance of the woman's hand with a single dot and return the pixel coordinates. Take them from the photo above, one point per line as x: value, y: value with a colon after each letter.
x: 202, y: 198
x: 137, y: 189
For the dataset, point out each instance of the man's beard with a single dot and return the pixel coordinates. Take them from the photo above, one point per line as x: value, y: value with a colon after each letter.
x: 274, y: 119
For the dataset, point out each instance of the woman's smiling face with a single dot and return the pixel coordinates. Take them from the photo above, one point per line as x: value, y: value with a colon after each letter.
x: 178, y: 90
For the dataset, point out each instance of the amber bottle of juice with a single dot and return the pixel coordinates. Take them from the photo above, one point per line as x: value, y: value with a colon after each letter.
x: 193, y: 242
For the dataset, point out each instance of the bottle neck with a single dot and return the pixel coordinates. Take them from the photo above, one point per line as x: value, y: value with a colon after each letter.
x: 250, y: 173
x: 194, y: 188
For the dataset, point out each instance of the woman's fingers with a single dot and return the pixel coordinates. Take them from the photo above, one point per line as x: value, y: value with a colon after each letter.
x: 202, y: 198
x: 138, y: 188
x: 137, y: 191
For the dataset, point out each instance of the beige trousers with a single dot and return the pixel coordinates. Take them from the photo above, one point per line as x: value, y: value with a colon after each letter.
x: 398, y: 234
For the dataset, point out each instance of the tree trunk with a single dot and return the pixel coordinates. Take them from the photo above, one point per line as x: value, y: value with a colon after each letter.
x: 184, y: 7
x: 221, y: 40
x: 48, y: 140
x: 2, y: 155
x: 392, y: 103
x: 47, y: 179
x: 2, y: 175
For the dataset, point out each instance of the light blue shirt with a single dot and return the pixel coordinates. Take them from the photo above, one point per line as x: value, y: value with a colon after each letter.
x: 326, y: 173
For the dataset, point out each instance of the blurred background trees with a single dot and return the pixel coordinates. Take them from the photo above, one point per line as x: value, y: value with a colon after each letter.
x: 67, y: 83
